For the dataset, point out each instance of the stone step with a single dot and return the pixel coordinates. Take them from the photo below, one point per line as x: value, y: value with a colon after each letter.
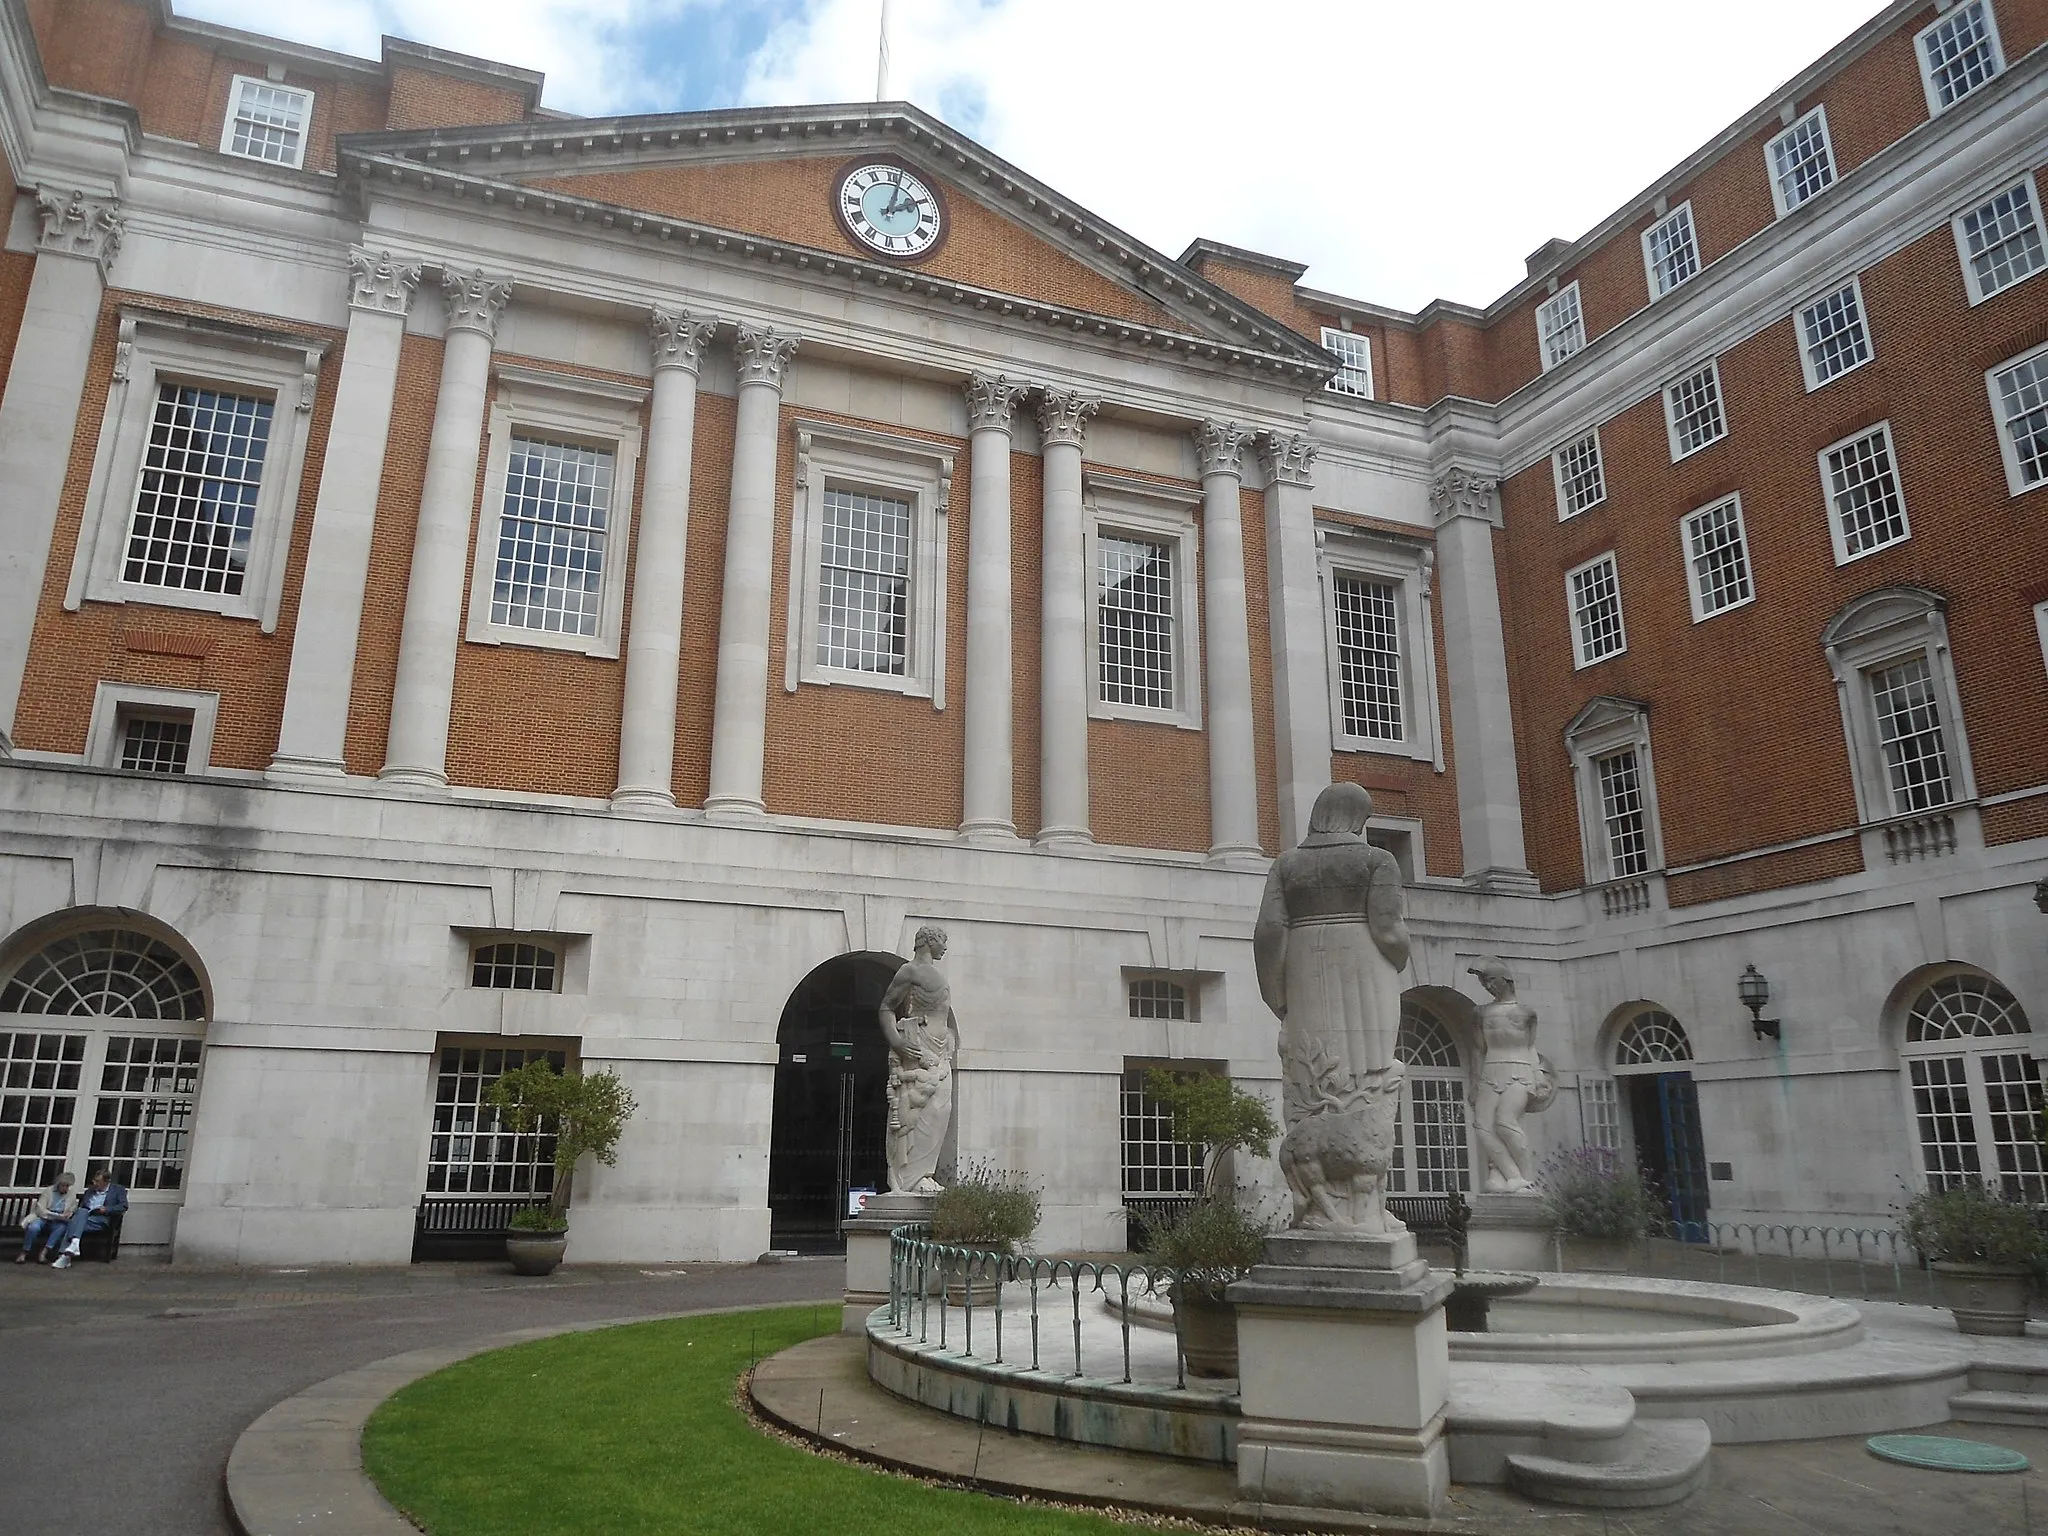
x: 2017, y: 1376
x: 1982, y: 1406
x: 1662, y: 1462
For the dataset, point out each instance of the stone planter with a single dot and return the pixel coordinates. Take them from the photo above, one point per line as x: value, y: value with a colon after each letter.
x: 535, y: 1253
x: 1599, y: 1255
x: 1986, y: 1298
x: 1207, y: 1331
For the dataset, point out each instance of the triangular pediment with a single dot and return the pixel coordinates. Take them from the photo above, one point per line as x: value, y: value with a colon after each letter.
x: 1605, y: 712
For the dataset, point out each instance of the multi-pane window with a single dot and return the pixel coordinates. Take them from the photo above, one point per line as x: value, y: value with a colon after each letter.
x: 1717, y: 558
x: 864, y: 583
x: 1863, y: 492
x: 1134, y: 586
x: 1975, y: 1088
x: 1433, y: 1134
x: 154, y: 742
x: 515, y: 967
x: 1158, y: 997
x: 2000, y: 241
x: 1959, y: 53
x: 1595, y: 593
x: 1692, y: 411
x: 1560, y: 326
x: 471, y: 1151
x: 551, y: 540
x: 196, y: 508
x: 1154, y: 1164
x: 1909, y: 734
x: 1671, y: 255
x: 267, y: 121
x: 1369, y: 657
x: 1650, y: 1039
x: 2020, y: 395
x: 38, y: 1097
x: 1581, y: 477
x: 1599, y: 1113
x: 1622, y: 815
x: 1832, y: 335
x: 1802, y: 164
x: 1354, y: 354
x: 113, y: 973
x: 144, y: 1114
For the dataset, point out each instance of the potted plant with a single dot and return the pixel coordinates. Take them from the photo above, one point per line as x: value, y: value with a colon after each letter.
x: 1597, y: 1204
x: 990, y: 1212
x: 1215, y: 1242
x: 587, y: 1113
x: 1983, y: 1250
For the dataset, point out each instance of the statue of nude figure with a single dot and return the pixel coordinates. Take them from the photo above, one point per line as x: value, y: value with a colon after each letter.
x: 1512, y: 1073
x: 917, y: 1020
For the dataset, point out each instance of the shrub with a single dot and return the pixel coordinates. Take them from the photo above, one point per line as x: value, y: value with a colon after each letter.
x: 988, y: 1207
x: 1207, y: 1245
x: 537, y: 1218
x: 1211, y: 1111
x: 1970, y: 1223
x: 586, y: 1112
x: 1592, y: 1192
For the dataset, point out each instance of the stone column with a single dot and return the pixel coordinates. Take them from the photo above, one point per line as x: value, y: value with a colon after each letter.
x: 317, y: 691
x: 739, y: 720
x: 1233, y: 765
x: 418, y: 749
x: 647, y: 734
x: 1063, y: 814
x: 1294, y: 595
x: 986, y: 780
x: 1475, y: 651
x: 80, y: 236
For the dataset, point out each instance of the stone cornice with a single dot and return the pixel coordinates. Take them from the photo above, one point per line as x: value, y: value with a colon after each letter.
x: 1063, y: 417
x: 378, y: 283
x: 679, y: 338
x: 74, y: 224
x: 474, y: 300
x: 1288, y: 459
x: 762, y: 355
x: 1219, y: 448
x: 991, y: 401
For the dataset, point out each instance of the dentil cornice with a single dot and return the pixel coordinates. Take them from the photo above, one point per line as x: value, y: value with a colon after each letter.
x: 1063, y: 417
x: 474, y: 301
x: 77, y: 225
x: 763, y: 356
x: 679, y: 338
x: 1288, y: 459
x: 379, y: 283
x: 991, y: 400
x: 1460, y: 493
x: 1219, y: 448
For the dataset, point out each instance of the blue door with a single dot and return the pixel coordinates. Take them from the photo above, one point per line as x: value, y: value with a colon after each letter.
x: 1685, y: 1155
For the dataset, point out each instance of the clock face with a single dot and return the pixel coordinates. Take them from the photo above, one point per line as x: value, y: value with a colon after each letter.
x: 891, y: 211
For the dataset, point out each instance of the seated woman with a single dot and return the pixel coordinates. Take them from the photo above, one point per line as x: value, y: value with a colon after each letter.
x: 49, y: 1221
x: 102, y: 1204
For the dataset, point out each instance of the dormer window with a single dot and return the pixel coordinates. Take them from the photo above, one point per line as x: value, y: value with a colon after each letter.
x: 267, y: 122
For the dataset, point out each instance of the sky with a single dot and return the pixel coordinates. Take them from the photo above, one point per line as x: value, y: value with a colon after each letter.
x: 1405, y: 151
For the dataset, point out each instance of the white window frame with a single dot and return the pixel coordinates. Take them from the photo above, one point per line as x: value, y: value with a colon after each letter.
x: 1580, y: 660
x: 1806, y: 366
x: 1827, y: 494
x: 1881, y: 629
x: 1935, y: 106
x: 1407, y: 567
x: 1565, y: 512
x: 1332, y: 335
x: 1712, y: 366
x: 555, y: 407
x: 227, y: 127
x: 110, y: 700
x: 1652, y: 271
x: 1544, y: 333
x: 1779, y: 195
x: 1148, y: 509
x: 154, y: 350
x: 2041, y: 630
x: 2008, y: 450
x: 1608, y: 725
x: 913, y: 469
x: 1971, y: 284
x: 1700, y: 611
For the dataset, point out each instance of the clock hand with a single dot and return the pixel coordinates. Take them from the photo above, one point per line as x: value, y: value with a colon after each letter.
x: 897, y: 203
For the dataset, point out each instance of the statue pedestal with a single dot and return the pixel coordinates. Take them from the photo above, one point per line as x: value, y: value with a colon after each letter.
x: 1344, y: 1369
x: 1509, y: 1232
x: 867, y: 1253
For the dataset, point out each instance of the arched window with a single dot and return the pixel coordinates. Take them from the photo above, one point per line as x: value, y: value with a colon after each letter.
x: 1976, y: 1090
x: 1433, y: 1107
x: 108, y: 973
x: 1650, y: 1040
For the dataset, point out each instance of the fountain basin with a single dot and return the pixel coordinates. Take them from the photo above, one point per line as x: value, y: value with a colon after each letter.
x: 1624, y: 1319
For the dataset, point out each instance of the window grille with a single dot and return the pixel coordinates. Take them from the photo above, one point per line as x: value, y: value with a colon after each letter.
x: 1717, y: 558
x: 1369, y: 657
x: 1834, y: 335
x: 1941, y: 1110
x: 552, y: 537
x: 113, y: 973
x: 1976, y: 1104
x: 864, y: 583
x: 144, y: 1114
x: 1621, y: 811
x: 1802, y: 165
x: 1650, y: 1039
x: 2002, y: 240
x: 1962, y: 1007
x: 1154, y: 1164
x: 2023, y: 416
x: 1433, y: 1135
x: 515, y: 967
x: 1134, y: 585
x: 470, y: 1152
x: 1863, y: 488
x: 1599, y: 1113
x: 1694, y: 407
x: 1354, y: 353
x: 269, y: 122
x: 1959, y: 53
x: 1670, y: 251
x: 40, y: 1077
x: 1581, y: 477
x: 2012, y: 1094
x: 1596, y: 611
x: 1560, y: 326
x: 196, y: 509
x: 1909, y: 734
x: 1156, y: 997
x: 155, y: 743
x: 1423, y: 1039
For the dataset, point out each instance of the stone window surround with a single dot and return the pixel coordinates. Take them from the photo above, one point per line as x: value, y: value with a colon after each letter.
x: 1973, y: 1047
x: 572, y: 973
x: 1565, y: 511
x: 1150, y: 510
x: 233, y: 114
x: 1580, y: 660
x: 1605, y: 726
x: 1806, y: 368
x: 1998, y: 60
x: 863, y: 458
x: 2041, y: 629
x: 1408, y: 566
x: 1882, y: 627
x: 1332, y: 339
x: 1652, y: 273
x: 1692, y: 575
x: 1711, y: 367
x: 2007, y: 450
x: 157, y: 349
x: 1971, y: 286
x: 103, y: 737
x: 1819, y: 116
x: 591, y: 413
x: 1827, y: 493
x: 1544, y: 331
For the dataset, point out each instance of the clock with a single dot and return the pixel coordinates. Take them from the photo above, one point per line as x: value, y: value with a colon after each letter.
x: 890, y: 210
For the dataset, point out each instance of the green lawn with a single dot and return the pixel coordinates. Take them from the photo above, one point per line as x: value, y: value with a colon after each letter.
x: 634, y: 1430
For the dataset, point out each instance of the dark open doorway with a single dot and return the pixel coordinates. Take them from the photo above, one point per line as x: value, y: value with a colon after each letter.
x: 831, y: 1103
x: 1664, y: 1112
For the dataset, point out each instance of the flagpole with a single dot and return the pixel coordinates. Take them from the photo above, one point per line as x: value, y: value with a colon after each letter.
x: 882, y: 58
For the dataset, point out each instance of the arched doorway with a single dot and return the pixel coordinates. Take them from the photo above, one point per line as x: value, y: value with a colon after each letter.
x: 831, y: 1104
x: 1433, y: 1134
x: 1652, y: 1057
x: 1976, y: 1090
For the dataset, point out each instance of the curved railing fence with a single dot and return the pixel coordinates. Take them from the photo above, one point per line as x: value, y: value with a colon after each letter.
x: 1870, y: 1263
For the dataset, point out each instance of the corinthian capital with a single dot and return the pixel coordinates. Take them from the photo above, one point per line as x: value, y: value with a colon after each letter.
x: 379, y: 284
x: 1219, y: 448
x: 1287, y: 460
x: 763, y: 356
x: 1458, y: 492
x: 474, y: 301
x: 991, y: 401
x: 77, y: 225
x: 1063, y: 416
x: 679, y: 338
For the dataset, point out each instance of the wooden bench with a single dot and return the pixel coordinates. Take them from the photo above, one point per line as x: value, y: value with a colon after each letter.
x: 466, y: 1226
x: 103, y: 1245
x: 1435, y: 1219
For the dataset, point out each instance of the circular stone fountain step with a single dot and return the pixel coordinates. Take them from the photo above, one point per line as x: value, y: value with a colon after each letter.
x: 1659, y: 1463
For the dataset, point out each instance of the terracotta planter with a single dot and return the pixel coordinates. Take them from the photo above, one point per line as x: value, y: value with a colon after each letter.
x: 1207, y: 1331
x: 535, y: 1253
x: 1599, y: 1255
x: 1986, y: 1298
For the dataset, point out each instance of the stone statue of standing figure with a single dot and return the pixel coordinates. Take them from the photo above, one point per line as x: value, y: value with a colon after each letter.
x: 1330, y: 944
x: 917, y: 1020
x: 1513, y: 1078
